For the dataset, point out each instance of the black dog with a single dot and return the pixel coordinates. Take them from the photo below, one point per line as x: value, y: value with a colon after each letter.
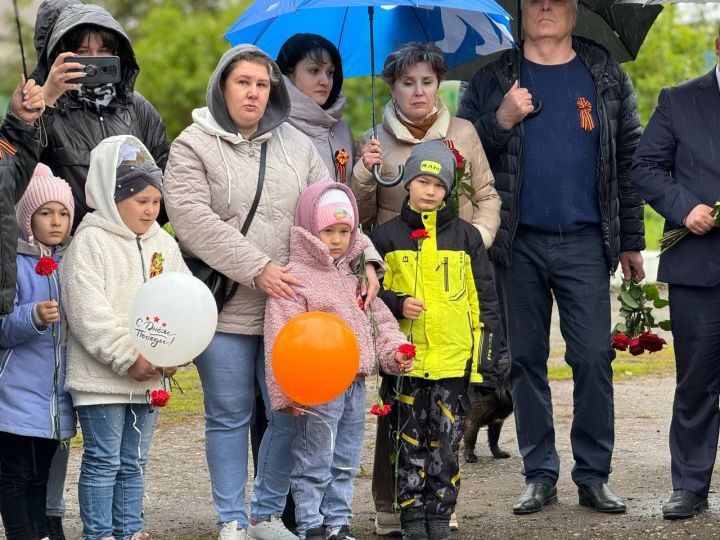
x: 488, y: 407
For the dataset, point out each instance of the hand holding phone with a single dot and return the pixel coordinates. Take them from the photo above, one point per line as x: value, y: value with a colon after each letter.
x: 98, y: 69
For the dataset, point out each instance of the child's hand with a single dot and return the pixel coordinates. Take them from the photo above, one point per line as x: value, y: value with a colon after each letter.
x: 405, y: 363
x: 169, y: 371
x: 47, y: 312
x: 142, y: 370
x: 292, y: 411
x: 412, y: 308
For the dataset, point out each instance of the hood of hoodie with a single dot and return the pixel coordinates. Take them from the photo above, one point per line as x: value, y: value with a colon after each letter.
x: 75, y: 15
x: 25, y: 248
x: 100, y: 186
x: 278, y: 106
x: 308, y: 201
x: 308, y: 116
x: 47, y: 15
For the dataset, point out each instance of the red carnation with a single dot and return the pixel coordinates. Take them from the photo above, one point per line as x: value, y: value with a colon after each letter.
x: 420, y: 234
x: 635, y: 347
x: 651, y: 342
x: 159, y: 398
x: 620, y: 342
x: 407, y: 349
x: 458, y: 158
x: 380, y: 411
x: 45, y: 266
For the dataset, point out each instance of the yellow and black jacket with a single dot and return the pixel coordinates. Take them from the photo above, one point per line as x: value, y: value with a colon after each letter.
x: 450, y: 272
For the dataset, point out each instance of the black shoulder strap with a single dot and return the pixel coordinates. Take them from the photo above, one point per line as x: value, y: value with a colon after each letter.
x: 253, y: 207
x: 258, y: 192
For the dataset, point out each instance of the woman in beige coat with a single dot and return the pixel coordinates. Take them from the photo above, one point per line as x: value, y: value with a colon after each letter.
x: 414, y: 115
x: 211, y: 181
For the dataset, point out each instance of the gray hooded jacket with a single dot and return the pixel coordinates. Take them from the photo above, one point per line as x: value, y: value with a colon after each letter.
x: 210, y: 183
x: 74, y: 128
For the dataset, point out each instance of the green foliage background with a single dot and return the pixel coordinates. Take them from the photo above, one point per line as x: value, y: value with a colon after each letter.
x: 178, y: 43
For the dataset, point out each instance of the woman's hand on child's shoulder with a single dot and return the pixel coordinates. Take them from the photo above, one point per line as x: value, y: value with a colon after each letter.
x: 142, y: 370
x: 47, y: 312
x: 405, y: 364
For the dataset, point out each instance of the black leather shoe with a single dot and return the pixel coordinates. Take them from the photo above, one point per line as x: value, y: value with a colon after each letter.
x: 534, y: 497
x: 683, y: 504
x: 601, y: 498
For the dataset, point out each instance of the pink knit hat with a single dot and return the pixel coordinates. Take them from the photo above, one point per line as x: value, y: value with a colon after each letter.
x: 333, y: 207
x: 43, y: 188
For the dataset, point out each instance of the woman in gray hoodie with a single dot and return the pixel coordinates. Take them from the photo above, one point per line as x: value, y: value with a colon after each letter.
x: 212, y: 179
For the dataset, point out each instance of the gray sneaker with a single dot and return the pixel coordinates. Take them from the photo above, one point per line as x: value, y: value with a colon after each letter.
x: 271, y: 529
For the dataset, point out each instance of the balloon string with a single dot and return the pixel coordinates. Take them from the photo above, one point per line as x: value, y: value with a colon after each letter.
x: 332, y: 435
x: 139, y: 450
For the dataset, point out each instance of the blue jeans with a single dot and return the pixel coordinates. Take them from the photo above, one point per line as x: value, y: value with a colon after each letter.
x: 116, y: 439
x: 228, y: 369
x: 322, y: 477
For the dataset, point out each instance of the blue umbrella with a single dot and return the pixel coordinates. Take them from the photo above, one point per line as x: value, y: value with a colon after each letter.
x: 463, y: 29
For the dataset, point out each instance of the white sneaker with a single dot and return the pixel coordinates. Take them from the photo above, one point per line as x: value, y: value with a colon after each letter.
x: 273, y: 529
x: 229, y: 531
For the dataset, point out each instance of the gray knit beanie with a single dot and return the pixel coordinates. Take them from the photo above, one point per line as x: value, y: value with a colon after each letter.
x: 431, y: 158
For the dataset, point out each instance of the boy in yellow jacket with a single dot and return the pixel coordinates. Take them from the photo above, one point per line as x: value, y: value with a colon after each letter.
x: 439, y: 284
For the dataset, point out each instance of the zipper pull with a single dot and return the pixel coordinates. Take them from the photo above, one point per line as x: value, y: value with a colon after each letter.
x: 142, y: 260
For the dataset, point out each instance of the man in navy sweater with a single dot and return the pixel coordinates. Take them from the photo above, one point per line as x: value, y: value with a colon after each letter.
x: 677, y: 170
x: 559, y: 124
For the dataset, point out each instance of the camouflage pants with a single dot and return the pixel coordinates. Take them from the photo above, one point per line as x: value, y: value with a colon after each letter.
x: 432, y: 418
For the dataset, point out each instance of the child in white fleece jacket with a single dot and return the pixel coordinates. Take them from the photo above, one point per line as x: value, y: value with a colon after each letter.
x: 111, y: 256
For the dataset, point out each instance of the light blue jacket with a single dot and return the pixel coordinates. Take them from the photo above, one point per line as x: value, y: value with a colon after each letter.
x: 27, y: 363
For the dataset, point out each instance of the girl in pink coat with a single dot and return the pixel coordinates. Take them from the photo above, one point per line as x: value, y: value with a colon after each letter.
x: 322, y: 243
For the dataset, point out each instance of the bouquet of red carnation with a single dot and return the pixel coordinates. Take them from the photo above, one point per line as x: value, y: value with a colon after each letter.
x: 635, y: 334
x: 161, y: 396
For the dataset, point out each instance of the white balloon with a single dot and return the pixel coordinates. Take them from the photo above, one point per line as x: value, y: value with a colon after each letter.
x: 173, y: 317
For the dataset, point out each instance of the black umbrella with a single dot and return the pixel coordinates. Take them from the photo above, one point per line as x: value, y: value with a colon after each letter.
x: 22, y: 48
x: 620, y: 27
x: 653, y: 2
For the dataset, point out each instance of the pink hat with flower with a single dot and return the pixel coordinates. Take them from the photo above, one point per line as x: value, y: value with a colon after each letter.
x: 44, y: 187
x: 333, y: 207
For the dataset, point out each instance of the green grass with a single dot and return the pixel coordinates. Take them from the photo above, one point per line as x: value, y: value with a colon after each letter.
x: 187, y: 403
x: 653, y: 228
x: 626, y: 366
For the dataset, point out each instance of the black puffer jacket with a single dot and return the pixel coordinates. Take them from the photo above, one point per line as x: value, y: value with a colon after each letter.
x: 19, y: 149
x: 74, y: 128
x: 621, y: 207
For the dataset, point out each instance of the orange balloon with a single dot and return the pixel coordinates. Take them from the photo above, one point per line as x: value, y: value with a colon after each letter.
x: 315, y: 358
